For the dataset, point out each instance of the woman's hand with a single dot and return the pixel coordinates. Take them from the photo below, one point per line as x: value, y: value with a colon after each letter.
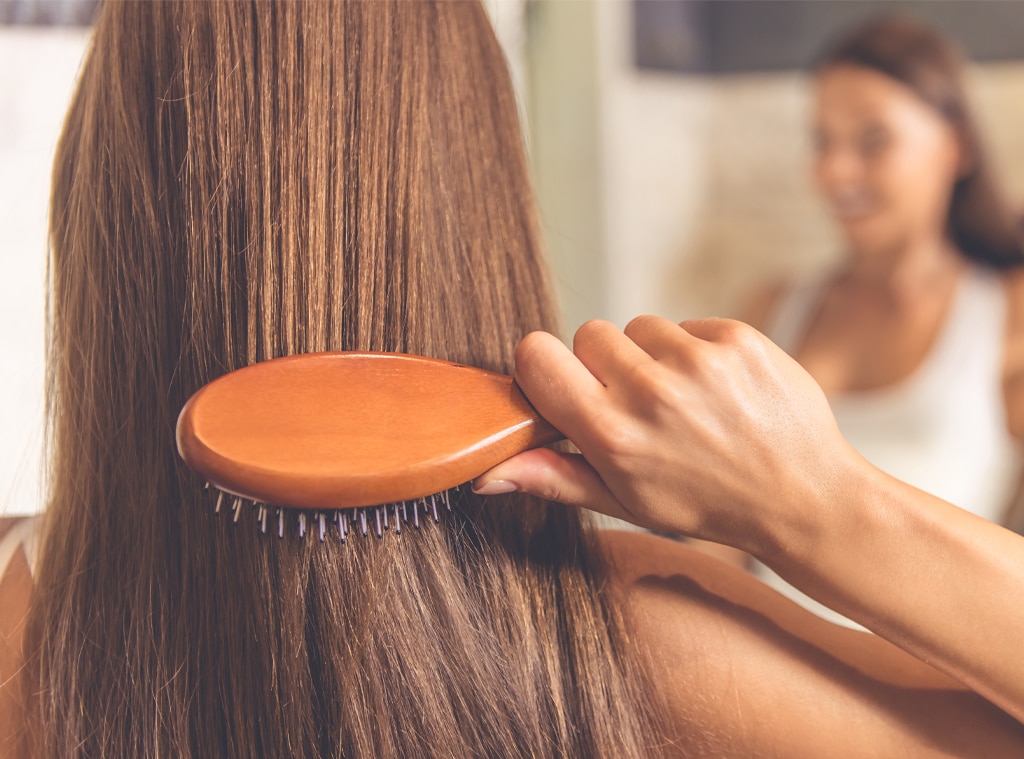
x: 707, y: 429
x: 704, y: 428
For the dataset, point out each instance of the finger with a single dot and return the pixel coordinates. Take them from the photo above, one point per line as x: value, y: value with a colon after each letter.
x: 660, y: 338
x: 563, y: 477
x: 561, y: 388
x: 741, y: 339
x: 606, y: 351
x: 719, y: 330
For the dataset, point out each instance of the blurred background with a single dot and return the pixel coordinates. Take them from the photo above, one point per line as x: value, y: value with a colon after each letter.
x: 669, y: 140
x: 41, y: 47
x: 672, y: 147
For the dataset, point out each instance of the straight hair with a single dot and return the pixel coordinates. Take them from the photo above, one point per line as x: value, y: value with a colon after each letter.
x: 238, y: 181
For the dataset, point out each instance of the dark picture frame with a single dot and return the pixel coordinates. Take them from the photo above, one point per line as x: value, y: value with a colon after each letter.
x: 57, y: 13
x: 740, y: 36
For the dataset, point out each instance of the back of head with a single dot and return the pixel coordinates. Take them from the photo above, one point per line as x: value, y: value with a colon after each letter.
x: 905, y: 49
x: 238, y: 181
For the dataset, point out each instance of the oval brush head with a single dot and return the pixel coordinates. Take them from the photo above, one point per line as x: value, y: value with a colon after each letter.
x: 327, y: 431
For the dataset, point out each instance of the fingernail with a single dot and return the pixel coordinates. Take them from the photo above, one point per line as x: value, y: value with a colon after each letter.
x: 495, y: 487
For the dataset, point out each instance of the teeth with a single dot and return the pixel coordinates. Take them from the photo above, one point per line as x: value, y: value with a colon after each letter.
x: 381, y: 519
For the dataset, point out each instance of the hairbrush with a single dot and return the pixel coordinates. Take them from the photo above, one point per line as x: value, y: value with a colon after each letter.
x: 352, y: 442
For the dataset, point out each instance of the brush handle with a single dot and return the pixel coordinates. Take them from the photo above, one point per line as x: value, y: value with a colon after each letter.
x: 342, y: 430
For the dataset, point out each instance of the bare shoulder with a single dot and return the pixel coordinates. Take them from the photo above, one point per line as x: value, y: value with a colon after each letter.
x: 15, y: 595
x: 760, y: 304
x: 760, y: 674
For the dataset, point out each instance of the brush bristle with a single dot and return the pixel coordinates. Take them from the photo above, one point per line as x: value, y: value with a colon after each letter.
x: 337, y: 524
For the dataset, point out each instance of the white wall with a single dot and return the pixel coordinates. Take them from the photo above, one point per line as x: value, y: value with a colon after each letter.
x: 655, y: 131
x: 37, y: 72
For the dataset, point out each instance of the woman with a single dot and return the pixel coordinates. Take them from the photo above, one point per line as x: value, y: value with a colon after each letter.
x: 917, y: 338
x: 239, y: 181
x: 914, y: 338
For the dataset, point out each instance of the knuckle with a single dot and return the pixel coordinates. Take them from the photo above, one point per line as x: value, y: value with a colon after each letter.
x: 734, y: 332
x: 529, y: 347
x: 590, y: 331
x: 549, y: 490
x: 744, y: 337
x: 555, y: 475
x: 643, y: 323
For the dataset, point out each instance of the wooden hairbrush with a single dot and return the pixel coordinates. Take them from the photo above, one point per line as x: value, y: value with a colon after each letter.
x: 356, y: 440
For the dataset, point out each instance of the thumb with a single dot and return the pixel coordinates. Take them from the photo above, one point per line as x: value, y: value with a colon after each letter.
x: 562, y: 477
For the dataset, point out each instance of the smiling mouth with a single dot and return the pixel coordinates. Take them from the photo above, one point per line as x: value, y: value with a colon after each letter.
x: 852, y: 204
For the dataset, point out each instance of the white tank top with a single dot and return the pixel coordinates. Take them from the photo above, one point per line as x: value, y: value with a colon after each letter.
x: 24, y: 535
x: 943, y: 429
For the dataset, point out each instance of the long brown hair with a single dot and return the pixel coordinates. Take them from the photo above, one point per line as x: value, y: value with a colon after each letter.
x: 980, y: 220
x: 240, y: 181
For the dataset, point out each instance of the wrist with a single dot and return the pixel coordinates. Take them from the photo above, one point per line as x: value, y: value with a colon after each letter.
x: 818, y: 505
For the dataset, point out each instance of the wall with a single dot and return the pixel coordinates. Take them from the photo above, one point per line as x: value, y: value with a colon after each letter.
x: 38, y: 68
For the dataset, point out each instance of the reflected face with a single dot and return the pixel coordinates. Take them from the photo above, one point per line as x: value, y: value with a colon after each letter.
x: 886, y: 161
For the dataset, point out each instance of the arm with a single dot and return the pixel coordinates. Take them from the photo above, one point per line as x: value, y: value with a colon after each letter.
x: 711, y: 431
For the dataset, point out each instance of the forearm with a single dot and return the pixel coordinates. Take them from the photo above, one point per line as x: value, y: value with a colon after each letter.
x: 939, y: 582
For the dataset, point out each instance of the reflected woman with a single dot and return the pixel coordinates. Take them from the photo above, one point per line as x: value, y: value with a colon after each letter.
x: 918, y: 339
